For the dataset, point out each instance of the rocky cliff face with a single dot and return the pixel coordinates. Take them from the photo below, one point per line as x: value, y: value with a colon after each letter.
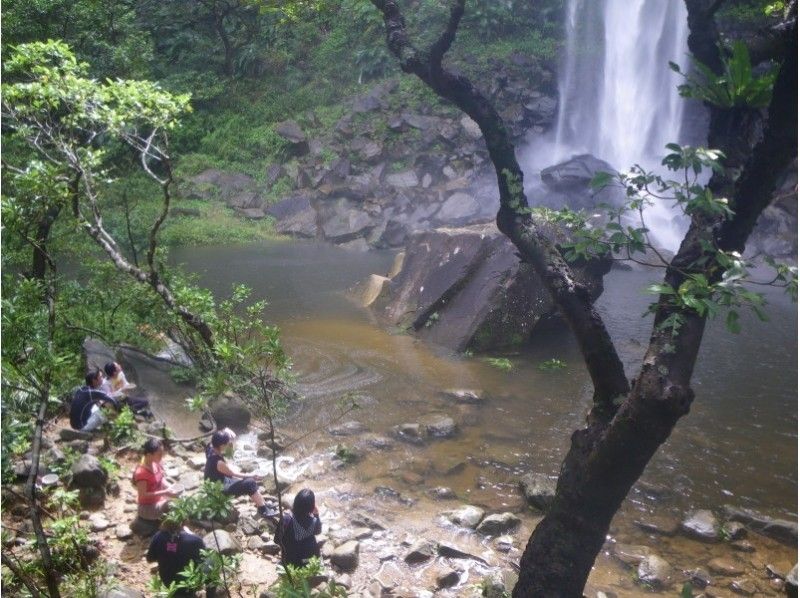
x: 389, y: 167
x: 465, y: 288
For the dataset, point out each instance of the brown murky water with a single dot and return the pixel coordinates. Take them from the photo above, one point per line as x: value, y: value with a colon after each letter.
x: 738, y: 445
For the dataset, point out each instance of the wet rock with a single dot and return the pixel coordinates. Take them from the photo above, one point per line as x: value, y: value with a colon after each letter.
x: 346, y: 556
x: 347, y: 429
x: 88, y: 473
x: 654, y: 571
x: 782, y: 530
x: 497, y: 524
x: 743, y: 546
x: 413, y: 433
x: 443, y: 493
x: 440, y: 426
x: 504, y: 544
x: 724, y: 566
x: 466, y: 516
x: 701, y: 525
x: 67, y: 434
x: 733, y: 530
x: 630, y: 554
x: 464, y: 395
x: 223, y: 541
x: 446, y: 577
x: 452, y: 552
x: 743, y: 587
x: 492, y: 586
x: 791, y: 582
x: 699, y: 577
x: 661, y: 525
x: 381, y: 443
x: 539, y: 490
x: 420, y: 551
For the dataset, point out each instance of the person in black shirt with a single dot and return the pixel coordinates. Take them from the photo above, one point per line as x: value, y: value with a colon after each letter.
x: 295, y: 534
x: 85, y: 413
x: 173, y: 548
x: 233, y: 482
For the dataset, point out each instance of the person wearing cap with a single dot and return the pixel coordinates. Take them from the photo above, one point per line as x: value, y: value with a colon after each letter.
x: 152, y: 499
x: 234, y: 483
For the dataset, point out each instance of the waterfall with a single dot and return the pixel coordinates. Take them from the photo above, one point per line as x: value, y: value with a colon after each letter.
x: 618, y: 98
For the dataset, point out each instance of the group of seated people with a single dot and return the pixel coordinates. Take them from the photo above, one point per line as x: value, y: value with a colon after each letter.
x: 174, y: 546
x: 107, y: 388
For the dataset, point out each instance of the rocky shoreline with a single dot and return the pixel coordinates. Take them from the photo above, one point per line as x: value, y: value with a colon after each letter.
x: 379, y: 541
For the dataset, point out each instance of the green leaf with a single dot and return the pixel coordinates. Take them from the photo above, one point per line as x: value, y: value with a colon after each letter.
x: 601, y: 179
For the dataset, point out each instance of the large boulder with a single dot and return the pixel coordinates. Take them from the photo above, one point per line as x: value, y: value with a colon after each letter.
x: 294, y: 137
x: 568, y: 183
x: 295, y: 216
x: 87, y: 472
x: 465, y: 288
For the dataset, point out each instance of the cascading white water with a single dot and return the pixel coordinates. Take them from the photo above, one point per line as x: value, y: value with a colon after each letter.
x: 618, y: 98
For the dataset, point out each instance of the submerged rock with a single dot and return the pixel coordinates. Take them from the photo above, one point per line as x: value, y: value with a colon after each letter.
x: 782, y: 530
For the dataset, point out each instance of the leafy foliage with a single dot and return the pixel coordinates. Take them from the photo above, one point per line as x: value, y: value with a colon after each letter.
x: 501, y: 363
x: 293, y: 582
x: 737, y: 86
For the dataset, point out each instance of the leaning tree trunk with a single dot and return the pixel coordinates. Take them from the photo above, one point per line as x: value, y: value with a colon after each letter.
x: 625, y: 426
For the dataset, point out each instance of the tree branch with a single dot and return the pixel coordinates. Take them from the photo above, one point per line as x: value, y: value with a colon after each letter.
x: 442, y: 45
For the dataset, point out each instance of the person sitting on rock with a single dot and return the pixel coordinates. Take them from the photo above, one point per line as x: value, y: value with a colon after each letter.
x: 153, y: 496
x: 234, y: 483
x: 173, y: 548
x: 296, y: 532
x: 86, y: 411
x: 117, y: 386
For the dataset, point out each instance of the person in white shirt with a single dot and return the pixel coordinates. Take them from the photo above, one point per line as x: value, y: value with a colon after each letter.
x: 117, y: 387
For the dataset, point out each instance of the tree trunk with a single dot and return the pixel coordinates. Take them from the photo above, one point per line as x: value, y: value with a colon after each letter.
x: 40, y: 257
